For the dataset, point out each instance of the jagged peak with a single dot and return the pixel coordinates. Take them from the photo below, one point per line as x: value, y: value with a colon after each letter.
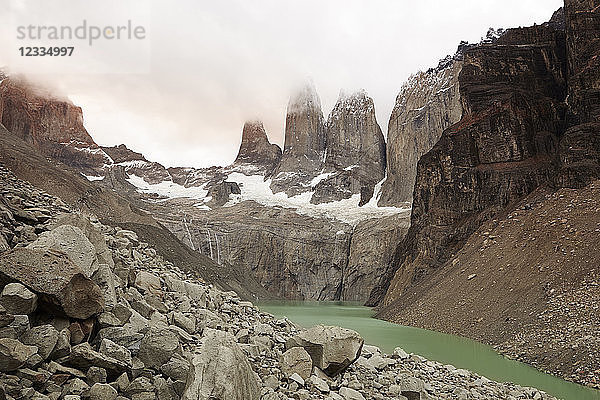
x: 305, y: 99
x: 356, y: 101
x: 254, y: 130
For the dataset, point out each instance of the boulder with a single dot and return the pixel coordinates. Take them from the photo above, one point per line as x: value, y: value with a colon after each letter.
x: 331, y: 348
x: 158, y: 346
x: 73, y: 242
x: 44, y: 337
x: 220, y: 370
x: 296, y: 360
x: 113, y: 350
x: 83, y: 356
x: 148, y: 282
x: 102, y: 391
x: 14, y: 354
x: 17, y: 299
x: 52, y: 274
x: 351, y: 394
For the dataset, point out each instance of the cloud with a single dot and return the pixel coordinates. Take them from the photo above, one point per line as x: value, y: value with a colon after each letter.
x: 215, y: 64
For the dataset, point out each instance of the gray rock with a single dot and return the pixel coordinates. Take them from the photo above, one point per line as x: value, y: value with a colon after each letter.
x: 296, y: 361
x: 83, y: 356
x: 176, y: 368
x: 220, y: 370
x: 55, y: 276
x: 44, y: 337
x: 296, y: 378
x: 158, y: 346
x: 332, y: 349
x: 96, y: 375
x: 113, y: 350
x: 17, y: 299
x: 148, y: 282
x: 351, y: 394
x: 71, y: 241
x: 14, y: 354
x: 183, y: 322
x: 102, y: 391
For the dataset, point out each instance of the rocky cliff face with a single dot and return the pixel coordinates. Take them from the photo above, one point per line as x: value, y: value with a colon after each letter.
x: 355, y: 160
x: 504, y: 147
x: 256, y: 152
x: 580, y: 146
x: 304, y: 149
x: 426, y: 105
x: 53, y: 125
x: 371, y: 251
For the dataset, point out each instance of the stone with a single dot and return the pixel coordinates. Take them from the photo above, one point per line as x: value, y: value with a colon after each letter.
x: 44, y: 337
x: 148, y: 282
x: 102, y: 391
x: 96, y: 375
x: 71, y: 241
x: 63, y: 345
x: 157, y: 347
x: 220, y: 370
x: 296, y: 378
x: 17, y: 299
x: 296, y: 361
x: 351, y: 394
x: 113, y: 350
x: 176, y: 368
x: 83, y: 356
x: 400, y: 353
x: 53, y: 275
x: 320, y: 384
x: 14, y: 354
x: 332, y: 349
x: 185, y: 323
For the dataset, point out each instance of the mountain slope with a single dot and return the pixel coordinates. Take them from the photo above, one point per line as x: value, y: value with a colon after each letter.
x: 62, y: 181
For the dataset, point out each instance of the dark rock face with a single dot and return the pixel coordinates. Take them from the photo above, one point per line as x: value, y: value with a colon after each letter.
x: 256, y: 150
x: 580, y: 145
x: 53, y: 125
x: 305, y: 140
x: 220, y: 192
x: 355, y: 149
x: 121, y: 153
x: 426, y: 105
x: 503, y: 148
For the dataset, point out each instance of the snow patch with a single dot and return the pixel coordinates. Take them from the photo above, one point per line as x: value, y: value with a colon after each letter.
x: 255, y: 188
x: 93, y: 178
x: 168, y: 189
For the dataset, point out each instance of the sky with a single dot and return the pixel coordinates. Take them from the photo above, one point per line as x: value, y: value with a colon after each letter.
x: 181, y: 94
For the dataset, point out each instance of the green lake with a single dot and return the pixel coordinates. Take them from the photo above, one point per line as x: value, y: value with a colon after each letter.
x: 448, y: 349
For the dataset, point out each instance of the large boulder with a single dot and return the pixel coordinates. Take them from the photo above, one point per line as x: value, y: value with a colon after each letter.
x: 158, y: 346
x: 220, y: 370
x: 331, y: 348
x: 55, y: 278
x: 14, y: 354
x: 296, y: 361
x: 17, y: 299
x: 83, y: 356
x: 73, y: 242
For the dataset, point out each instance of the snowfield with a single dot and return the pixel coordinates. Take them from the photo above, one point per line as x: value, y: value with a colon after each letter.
x: 255, y: 188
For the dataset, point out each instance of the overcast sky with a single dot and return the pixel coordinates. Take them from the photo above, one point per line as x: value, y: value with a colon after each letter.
x: 207, y: 66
